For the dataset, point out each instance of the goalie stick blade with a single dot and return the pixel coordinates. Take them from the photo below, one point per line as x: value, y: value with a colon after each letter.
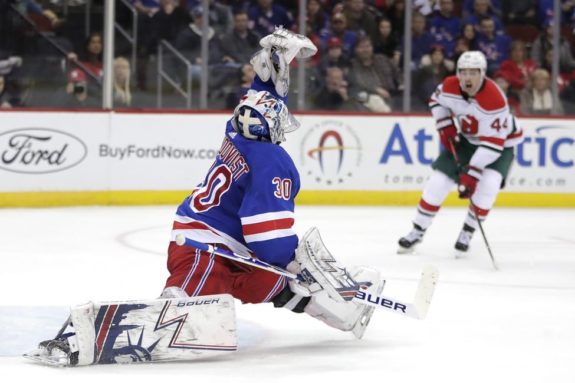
x: 418, y: 309
x: 425, y: 290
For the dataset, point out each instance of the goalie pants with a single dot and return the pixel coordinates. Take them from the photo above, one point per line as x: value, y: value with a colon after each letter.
x: 200, y: 273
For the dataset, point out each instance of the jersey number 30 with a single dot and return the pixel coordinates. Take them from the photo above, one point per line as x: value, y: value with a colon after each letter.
x: 283, y: 188
x: 210, y: 193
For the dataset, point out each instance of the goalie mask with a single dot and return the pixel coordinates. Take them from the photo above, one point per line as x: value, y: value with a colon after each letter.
x: 260, y: 116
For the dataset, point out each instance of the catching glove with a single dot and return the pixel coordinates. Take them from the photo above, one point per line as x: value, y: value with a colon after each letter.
x: 279, y: 50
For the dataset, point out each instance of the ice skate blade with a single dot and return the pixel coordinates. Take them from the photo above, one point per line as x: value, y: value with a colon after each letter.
x: 40, y: 356
x: 406, y: 251
x: 460, y: 254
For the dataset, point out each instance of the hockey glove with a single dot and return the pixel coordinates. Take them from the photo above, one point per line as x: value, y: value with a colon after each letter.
x: 468, y: 179
x: 448, y: 137
x: 291, y: 44
x: 279, y: 49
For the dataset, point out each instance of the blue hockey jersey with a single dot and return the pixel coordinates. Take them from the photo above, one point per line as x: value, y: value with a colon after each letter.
x: 246, y: 201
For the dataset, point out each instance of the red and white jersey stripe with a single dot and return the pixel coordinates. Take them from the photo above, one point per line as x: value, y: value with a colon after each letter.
x: 204, y: 233
x: 266, y: 226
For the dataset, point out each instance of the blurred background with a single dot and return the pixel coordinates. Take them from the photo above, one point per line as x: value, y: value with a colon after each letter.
x: 380, y: 56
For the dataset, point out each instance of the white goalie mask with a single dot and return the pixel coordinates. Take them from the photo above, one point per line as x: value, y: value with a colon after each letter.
x: 471, y: 81
x: 263, y: 117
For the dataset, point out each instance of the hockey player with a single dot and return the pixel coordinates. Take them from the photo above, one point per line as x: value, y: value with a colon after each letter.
x: 246, y: 204
x: 477, y: 156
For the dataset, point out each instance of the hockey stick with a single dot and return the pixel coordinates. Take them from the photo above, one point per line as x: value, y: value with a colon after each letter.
x: 456, y: 157
x: 418, y: 309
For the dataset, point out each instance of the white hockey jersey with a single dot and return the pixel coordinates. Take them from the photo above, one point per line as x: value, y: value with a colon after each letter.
x: 484, y: 120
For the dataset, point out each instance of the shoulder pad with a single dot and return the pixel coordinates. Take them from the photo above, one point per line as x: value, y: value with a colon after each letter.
x: 451, y: 86
x: 490, y: 97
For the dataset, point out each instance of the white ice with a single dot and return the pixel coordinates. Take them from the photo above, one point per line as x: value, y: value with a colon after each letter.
x: 512, y: 325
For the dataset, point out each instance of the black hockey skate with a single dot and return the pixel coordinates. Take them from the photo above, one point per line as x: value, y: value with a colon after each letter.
x: 407, y: 243
x: 465, y: 236
x: 57, y: 351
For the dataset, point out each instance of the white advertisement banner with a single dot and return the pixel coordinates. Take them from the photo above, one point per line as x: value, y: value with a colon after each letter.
x: 395, y: 153
x: 50, y: 151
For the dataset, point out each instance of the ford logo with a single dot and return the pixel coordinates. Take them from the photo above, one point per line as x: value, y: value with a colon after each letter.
x: 40, y: 150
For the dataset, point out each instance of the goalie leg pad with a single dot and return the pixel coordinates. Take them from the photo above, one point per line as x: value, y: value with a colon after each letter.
x: 144, y: 331
x: 347, y: 315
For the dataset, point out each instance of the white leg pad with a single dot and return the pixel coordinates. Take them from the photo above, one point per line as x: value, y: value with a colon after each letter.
x: 332, y: 287
x: 145, y: 331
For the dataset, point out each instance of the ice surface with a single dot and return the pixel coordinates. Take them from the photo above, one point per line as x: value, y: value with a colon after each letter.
x: 512, y: 325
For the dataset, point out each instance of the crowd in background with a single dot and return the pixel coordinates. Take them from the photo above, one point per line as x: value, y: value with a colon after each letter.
x: 359, y: 66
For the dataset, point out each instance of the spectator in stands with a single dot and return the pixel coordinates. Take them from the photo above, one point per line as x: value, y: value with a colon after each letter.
x: 37, y: 11
x: 461, y: 46
x: 494, y: 46
x: 5, y: 101
x: 265, y: 16
x: 374, y: 76
x: 338, y: 28
x: 146, y: 8
x: 445, y: 26
x: 122, y: 91
x: 544, y: 44
x: 246, y: 76
x: 318, y: 19
x: 469, y: 35
x: 334, y: 94
x: 493, y: 7
x: 76, y: 92
x: 425, y: 7
x: 397, y: 16
x: 189, y: 43
x: 240, y: 44
x: 147, y: 39
x: 334, y: 57
x: 519, y: 12
x: 91, y: 54
x: 360, y: 18
x: 9, y: 63
x: 545, y: 10
x: 482, y: 9
x: 421, y: 40
x: 538, y: 99
x: 518, y: 68
x: 167, y: 22
x: 386, y: 41
x: 433, y: 70
x: 220, y: 15
x: 502, y: 79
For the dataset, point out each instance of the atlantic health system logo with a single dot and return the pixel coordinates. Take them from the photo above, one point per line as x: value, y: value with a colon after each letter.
x: 330, y: 153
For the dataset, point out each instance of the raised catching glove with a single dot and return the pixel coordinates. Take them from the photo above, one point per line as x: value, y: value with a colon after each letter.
x: 468, y: 179
x: 279, y: 50
x: 291, y: 44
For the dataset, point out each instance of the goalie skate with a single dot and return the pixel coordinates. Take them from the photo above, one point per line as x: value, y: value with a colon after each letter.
x: 55, y: 352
